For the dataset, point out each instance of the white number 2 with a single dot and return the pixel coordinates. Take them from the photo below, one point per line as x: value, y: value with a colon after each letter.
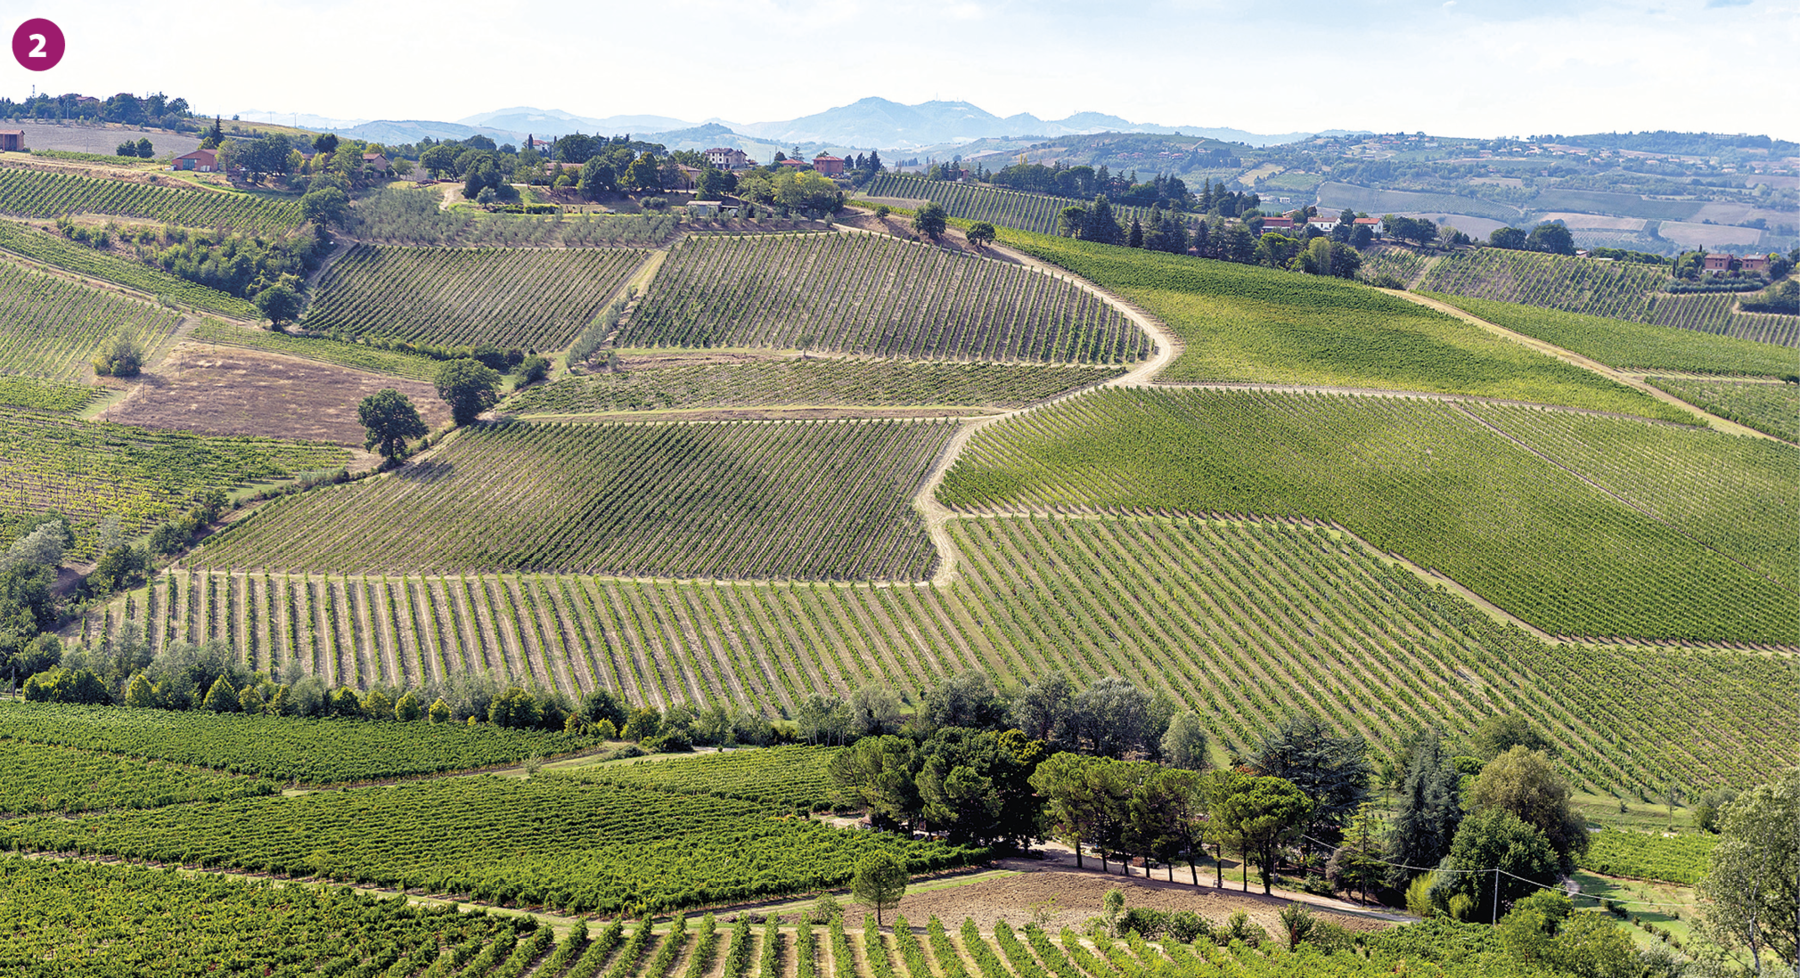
x: 38, y: 52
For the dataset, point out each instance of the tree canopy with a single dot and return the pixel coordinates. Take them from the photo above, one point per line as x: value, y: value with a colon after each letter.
x: 468, y: 387
x: 390, y: 420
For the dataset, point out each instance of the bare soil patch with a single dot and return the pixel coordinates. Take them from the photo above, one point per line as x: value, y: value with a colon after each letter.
x: 226, y: 391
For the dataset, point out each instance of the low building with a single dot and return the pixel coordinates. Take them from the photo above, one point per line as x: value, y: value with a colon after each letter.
x: 12, y: 140
x: 1718, y: 263
x: 831, y: 166
x: 795, y: 164
x: 686, y: 177
x: 1754, y: 263
x: 1281, y: 224
x: 200, y: 161
x: 1325, y: 224
x: 1372, y: 223
x: 376, y: 162
x: 724, y: 158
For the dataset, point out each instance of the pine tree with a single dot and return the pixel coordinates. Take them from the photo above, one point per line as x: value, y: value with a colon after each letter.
x: 1135, y: 239
x: 221, y: 698
x: 1429, y: 809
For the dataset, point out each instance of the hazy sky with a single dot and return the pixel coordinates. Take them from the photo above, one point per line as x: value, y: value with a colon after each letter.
x: 1451, y: 67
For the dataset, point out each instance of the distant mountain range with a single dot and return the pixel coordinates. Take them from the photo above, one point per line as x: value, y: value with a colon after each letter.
x: 870, y: 123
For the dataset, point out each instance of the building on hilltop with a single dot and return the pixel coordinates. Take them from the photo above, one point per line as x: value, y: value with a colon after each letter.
x: 831, y: 166
x: 12, y: 140
x: 200, y: 161
x: 724, y: 158
x: 1323, y: 222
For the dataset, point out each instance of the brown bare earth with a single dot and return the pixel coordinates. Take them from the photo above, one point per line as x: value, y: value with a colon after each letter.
x: 225, y: 391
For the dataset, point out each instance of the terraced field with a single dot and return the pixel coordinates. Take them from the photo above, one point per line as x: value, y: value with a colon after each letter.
x: 996, y: 205
x: 51, y: 328
x: 91, y: 470
x: 735, y: 500
x: 1617, y: 290
x: 668, y: 383
x: 535, y: 298
x: 1633, y: 346
x: 1582, y: 525
x: 868, y: 294
x: 1241, y: 323
x: 1770, y: 408
x: 41, y: 194
x: 1240, y: 620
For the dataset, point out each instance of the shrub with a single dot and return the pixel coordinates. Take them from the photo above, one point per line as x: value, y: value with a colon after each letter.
x: 124, y: 359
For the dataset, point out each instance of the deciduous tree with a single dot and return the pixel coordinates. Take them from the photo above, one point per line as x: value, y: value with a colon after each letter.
x: 468, y: 387
x: 390, y: 420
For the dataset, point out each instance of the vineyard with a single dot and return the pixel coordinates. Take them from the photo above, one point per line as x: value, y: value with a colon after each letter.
x: 1387, y: 261
x: 36, y: 193
x: 1769, y: 408
x: 1005, y: 208
x: 1616, y: 290
x: 50, y: 327
x: 52, y: 250
x: 555, y: 842
x: 413, y: 217
x: 864, y: 293
x: 731, y: 500
x: 36, y: 778
x: 1575, y: 523
x: 1717, y: 314
x: 1632, y: 346
x: 356, y: 356
x: 1640, y: 855
x: 43, y: 395
x: 1238, y: 620
x: 817, y: 380
x: 91, y: 470
x: 287, y: 749
x: 797, y: 778
x: 1259, y: 325
x: 78, y: 918
x: 535, y: 298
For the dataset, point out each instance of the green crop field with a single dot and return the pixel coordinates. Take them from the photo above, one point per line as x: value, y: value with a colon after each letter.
x: 92, y: 470
x: 1718, y: 314
x: 45, y: 395
x: 1633, y: 346
x: 794, y: 777
x: 1618, y: 290
x: 345, y: 354
x: 1241, y: 621
x: 1398, y: 262
x: 537, y: 298
x: 817, y: 380
x: 38, y: 778
x: 82, y: 260
x: 413, y: 217
x: 587, y: 848
x: 1770, y: 408
x: 1573, y: 522
x: 995, y: 205
x: 1641, y: 855
x: 863, y: 293
x: 51, y: 328
x: 295, y: 749
x: 1242, y: 323
x: 78, y: 918
x: 36, y: 193
x: 732, y: 500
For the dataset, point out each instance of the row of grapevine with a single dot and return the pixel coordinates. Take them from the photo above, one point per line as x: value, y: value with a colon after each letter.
x: 797, y: 777
x: 89, y: 470
x: 555, y: 842
x: 37, y: 193
x: 45, y: 395
x: 537, y: 298
x: 294, y: 749
x: 1241, y: 621
x: 995, y: 205
x: 1577, y: 523
x: 1717, y: 313
x: 807, y: 381
x: 1618, y: 290
x: 415, y: 217
x: 1391, y: 261
x: 53, y: 250
x: 40, y: 778
x: 1771, y: 408
x: 871, y: 294
x: 728, y: 500
x: 50, y: 327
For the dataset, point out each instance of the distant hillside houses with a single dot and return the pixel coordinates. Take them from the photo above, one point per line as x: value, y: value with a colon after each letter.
x: 723, y: 158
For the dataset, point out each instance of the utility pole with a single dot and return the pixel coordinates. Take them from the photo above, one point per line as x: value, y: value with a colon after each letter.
x: 1494, y: 911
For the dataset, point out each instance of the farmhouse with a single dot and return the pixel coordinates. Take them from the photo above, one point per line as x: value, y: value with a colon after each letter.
x: 376, y: 162
x: 12, y: 140
x: 1323, y: 223
x: 686, y: 177
x: 1372, y: 223
x: 796, y: 164
x: 1277, y: 224
x: 200, y: 160
x: 1754, y: 263
x: 723, y: 158
x: 831, y: 166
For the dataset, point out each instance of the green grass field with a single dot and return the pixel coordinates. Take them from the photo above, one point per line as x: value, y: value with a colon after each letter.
x: 730, y: 500
x: 1241, y: 323
x: 1580, y: 524
x: 818, y: 380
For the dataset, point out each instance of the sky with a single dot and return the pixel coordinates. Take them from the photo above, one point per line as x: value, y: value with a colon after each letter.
x: 1448, y: 67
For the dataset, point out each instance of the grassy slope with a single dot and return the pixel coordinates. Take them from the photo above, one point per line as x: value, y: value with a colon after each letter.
x: 1242, y: 323
x: 1633, y: 346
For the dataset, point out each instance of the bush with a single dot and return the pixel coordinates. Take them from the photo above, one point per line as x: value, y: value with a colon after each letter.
x: 654, y: 203
x: 124, y: 359
x: 60, y: 685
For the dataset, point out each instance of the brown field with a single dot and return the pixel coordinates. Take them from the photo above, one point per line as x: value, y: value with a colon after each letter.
x: 218, y: 390
x: 1692, y: 235
x: 102, y: 139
